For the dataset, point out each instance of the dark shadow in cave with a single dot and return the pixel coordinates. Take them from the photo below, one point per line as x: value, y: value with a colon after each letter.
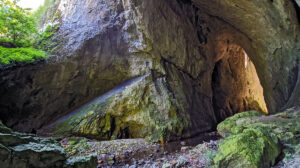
x: 297, y: 9
x: 235, y: 83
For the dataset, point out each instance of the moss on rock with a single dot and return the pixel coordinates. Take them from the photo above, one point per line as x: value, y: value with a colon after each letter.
x: 229, y: 125
x: 254, y: 147
x: 254, y: 140
x: 135, y: 109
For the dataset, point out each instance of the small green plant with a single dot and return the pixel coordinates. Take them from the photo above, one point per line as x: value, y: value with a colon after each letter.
x: 47, y: 33
x: 86, y: 147
x: 210, y: 155
x: 71, y: 143
x: 45, y: 41
x: 20, y: 55
x: 74, y: 145
x: 80, y: 143
x: 288, y: 155
x: 113, y: 137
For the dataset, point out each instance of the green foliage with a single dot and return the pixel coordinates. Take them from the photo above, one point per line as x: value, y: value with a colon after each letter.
x: 113, y: 137
x: 44, y: 41
x: 44, y: 12
x: 210, y: 155
x: 74, y: 144
x: 20, y: 55
x: 16, y: 25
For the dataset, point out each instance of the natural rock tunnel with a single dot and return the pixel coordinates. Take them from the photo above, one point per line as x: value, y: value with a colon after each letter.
x: 194, y: 50
x: 235, y: 84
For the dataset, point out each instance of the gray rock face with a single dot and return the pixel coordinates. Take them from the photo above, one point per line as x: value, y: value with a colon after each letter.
x: 28, y: 150
x: 23, y: 150
x: 104, y: 43
x: 82, y: 162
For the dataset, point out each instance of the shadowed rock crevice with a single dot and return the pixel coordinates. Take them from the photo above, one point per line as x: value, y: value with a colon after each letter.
x: 297, y: 8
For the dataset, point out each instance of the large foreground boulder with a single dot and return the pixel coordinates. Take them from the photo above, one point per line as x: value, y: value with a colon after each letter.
x: 253, y: 148
x: 255, y: 140
x: 26, y: 150
x: 18, y: 150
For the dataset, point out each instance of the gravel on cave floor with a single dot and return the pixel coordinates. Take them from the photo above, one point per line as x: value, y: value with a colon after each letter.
x: 133, y: 153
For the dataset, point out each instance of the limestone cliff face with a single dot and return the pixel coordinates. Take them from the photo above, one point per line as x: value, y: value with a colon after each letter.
x: 105, y: 43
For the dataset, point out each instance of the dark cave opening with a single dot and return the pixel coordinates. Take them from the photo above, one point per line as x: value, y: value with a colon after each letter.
x: 297, y: 9
x: 235, y: 84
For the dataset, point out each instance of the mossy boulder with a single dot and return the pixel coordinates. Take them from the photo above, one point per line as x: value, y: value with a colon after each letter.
x: 285, y: 125
x: 255, y: 140
x: 253, y: 148
x: 230, y: 126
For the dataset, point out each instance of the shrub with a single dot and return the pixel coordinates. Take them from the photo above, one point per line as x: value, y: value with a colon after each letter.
x: 20, y: 55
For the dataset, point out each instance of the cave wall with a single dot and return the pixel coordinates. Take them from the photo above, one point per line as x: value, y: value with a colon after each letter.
x: 88, y: 62
x: 236, y: 86
x: 104, y: 43
x: 273, y: 31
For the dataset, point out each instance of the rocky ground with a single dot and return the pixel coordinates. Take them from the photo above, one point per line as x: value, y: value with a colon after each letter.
x: 140, y: 153
x: 251, y: 140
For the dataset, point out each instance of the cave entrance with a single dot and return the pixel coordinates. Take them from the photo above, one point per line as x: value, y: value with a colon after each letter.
x: 235, y: 83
